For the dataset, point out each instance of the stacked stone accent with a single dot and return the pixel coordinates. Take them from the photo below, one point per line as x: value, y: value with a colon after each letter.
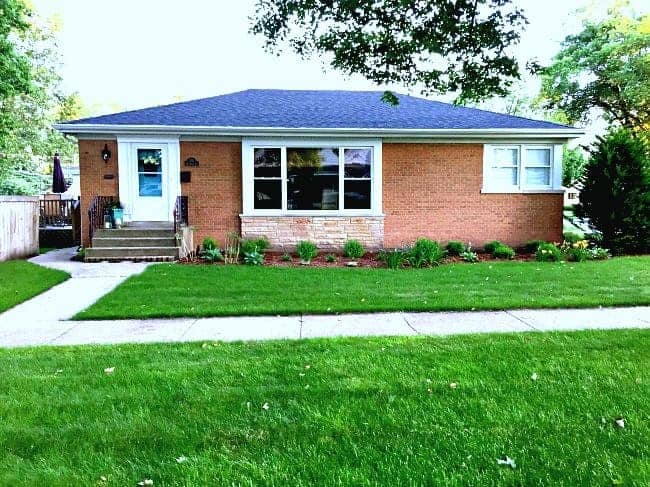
x: 327, y: 232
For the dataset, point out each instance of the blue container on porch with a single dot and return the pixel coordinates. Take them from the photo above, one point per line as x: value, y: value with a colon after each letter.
x: 118, y: 217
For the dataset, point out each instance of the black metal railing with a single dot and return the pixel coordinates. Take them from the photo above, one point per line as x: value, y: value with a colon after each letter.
x: 180, y: 212
x: 96, y: 210
x: 56, y: 213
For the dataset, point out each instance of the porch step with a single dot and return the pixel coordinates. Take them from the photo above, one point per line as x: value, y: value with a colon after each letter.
x: 131, y: 241
x: 127, y: 232
x: 127, y: 253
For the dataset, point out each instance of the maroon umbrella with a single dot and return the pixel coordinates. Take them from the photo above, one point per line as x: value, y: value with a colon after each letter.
x: 58, y: 180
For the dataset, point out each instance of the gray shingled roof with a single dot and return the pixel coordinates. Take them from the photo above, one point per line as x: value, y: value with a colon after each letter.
x: 317, y: 109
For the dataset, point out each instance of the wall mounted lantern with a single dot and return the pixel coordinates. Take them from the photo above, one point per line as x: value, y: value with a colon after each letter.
x: 106, y: 154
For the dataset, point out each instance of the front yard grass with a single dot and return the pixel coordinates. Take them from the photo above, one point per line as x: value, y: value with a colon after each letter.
x: 21, y: 280
x: 199, y: 290
x: 338, y: 412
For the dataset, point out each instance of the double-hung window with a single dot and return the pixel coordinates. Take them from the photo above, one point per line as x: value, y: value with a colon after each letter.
x: 299, y: 178
x: 521, y: 168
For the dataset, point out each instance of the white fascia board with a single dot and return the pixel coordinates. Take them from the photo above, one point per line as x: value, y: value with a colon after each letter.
x: 561, y: 133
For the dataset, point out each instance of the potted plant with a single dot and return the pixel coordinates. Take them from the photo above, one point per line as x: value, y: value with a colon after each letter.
x: 306, y: 250
x: 118, y: 214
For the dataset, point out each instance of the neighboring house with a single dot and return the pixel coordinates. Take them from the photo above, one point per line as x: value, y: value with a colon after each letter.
x: 572, y: 194
x: 328, y: 166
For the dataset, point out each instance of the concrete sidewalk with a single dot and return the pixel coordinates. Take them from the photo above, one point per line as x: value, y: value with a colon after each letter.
x: 45, y: 319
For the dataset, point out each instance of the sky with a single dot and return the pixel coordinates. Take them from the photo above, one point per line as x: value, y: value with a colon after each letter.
x: 137, y: 53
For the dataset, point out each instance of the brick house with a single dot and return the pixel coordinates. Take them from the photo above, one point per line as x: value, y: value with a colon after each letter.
x: 328, y: 166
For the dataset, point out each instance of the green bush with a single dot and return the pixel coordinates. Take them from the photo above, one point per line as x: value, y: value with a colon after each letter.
x: 599, y: 253
x: 503, y: 252
x: 572, y: 237
x: 548, y: 252
x: 616, y: 192
x: 490, y: 246
x: 577, y: 254
x: 285, y: 257
x: 306, y: 250
x: 425, y: 252
x: 254, y: 245
x: 212, y: 255
x: 209, y: 244
x: 532, y: 245
x: 330, y: 258
x: 353, y: 249
x: 455, y: 248
x: 253, y: 258
x: 392, y: 258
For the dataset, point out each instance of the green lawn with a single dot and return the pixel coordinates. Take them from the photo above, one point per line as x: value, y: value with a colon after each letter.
x: 185, y: 290
x: 340, y: 412
x: 21, y: 280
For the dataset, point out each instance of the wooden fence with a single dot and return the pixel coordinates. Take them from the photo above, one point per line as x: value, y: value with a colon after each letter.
x: 18, y: 226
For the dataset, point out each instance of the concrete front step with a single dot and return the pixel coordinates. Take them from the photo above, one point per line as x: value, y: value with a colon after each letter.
x: 127, y: 232
x: 149, y: 258
x: 103, y: 242
x: 126, y: 253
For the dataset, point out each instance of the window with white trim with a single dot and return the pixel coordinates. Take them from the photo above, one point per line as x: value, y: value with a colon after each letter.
x: 521, y: 167
x: 296, y: 178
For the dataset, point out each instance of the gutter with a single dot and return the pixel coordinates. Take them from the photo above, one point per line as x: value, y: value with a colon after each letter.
x: 81, y: 128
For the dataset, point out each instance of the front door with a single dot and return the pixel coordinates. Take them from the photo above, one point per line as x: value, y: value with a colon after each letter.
x: 151, y: 198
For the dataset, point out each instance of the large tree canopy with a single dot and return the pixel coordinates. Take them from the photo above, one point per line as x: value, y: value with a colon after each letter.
x: 441, y: 46
x: 605, y: 67
x: 14, y: 65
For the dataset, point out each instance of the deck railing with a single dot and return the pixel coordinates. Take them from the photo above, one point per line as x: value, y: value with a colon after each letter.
x: 56, y: 213
x: 96, y: 210
x: 180, y: 212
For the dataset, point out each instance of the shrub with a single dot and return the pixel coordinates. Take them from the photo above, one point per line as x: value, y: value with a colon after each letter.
x: 209, y: 243
x: 254, y: 245
x: 548, y: 252
x: 330, y: 258
x: 306, y: 250
x: 425, y: 252
x: 616, y: 192
x: 577, y: 254
x: 599, y: 253
x: 455, y: 248
x: 572, y: 237
x: 353, y: 249
x: 212, y: 255
x: 392, y: 258
x: 468, y: 256
x: 532, y: 245
x: 253, y: 258
x: 503, y: 252
x: 490, y: 246
x: 285, y: 257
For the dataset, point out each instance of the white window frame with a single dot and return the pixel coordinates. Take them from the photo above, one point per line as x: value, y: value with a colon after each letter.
x: 248, y: 195
x: 492, y: 186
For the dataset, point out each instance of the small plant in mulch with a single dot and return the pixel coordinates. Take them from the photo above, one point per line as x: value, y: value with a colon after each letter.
x: 503, y: 252
x: 392, y: 258
x: 286, y: 257
x: 353, y: 250
x: 455, y: 247
x: 468, y: 256
x: 307, y: 251
x: 330, y: 258
x: 253, y: 258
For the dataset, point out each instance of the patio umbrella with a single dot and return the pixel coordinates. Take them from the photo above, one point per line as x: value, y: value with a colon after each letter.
x: 58, y: 180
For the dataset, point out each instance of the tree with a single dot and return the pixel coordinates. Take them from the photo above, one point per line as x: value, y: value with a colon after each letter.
x: 440, y: 45
x: 27, y: 140
x: 616, y: 193
x: 605, y: 67
x: 14, y: 65
x: 573, y: 165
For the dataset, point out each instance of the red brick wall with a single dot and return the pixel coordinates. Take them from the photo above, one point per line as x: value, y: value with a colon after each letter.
x: 92, y: 170
x: 215, y: 199
x: 434, y: 190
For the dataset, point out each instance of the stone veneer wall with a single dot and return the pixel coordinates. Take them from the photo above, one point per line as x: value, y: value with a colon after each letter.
x: 328, y: 232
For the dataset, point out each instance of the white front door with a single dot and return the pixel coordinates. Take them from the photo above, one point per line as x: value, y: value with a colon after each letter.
x: 149, y: 181
x: 151, y: 198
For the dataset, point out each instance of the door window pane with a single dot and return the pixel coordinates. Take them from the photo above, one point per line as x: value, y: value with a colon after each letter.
x: 358, y: 163
x: 267, y: 163
x: 150, y: 172
x: 268, y: 194
x: 357, y: 194
x: 312, y: 179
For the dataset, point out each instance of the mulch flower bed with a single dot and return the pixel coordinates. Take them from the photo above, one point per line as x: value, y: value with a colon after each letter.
x: 368, y: 260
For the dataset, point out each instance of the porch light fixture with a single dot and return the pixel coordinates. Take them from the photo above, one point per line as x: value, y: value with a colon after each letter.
x: 106, y: 153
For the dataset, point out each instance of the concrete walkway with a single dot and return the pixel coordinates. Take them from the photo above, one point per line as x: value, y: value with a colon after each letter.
x: 44, y: 320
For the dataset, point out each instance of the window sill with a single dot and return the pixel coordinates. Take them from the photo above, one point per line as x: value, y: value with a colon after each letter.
x: 311, y: 214
x: 520, y: 191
